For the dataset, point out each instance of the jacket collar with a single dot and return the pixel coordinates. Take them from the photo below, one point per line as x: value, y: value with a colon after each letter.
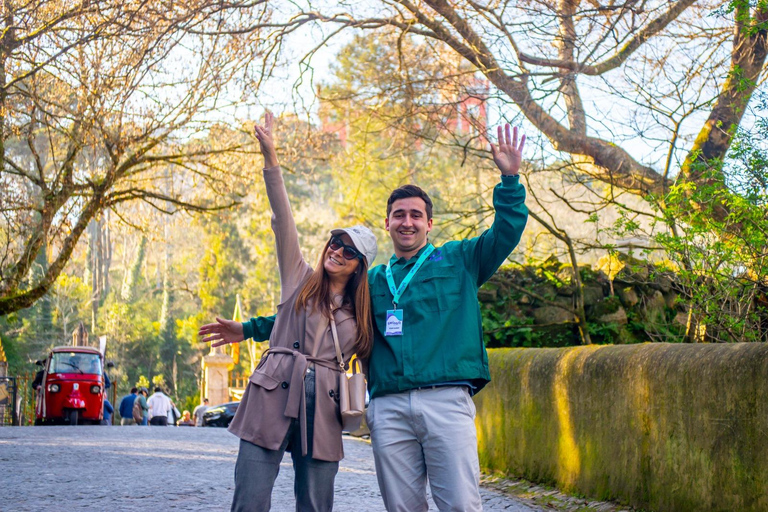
x: 413, y: 259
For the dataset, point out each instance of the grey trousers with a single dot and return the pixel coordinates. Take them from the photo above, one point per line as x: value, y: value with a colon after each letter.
x: 257, y: 468
x: 426, y: 434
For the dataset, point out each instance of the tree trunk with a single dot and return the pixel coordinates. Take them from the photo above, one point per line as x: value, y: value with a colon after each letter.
x: 703, y: 163
x: 107, y: 259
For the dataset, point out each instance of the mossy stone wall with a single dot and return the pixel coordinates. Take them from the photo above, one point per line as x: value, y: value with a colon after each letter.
x: 658, y: 426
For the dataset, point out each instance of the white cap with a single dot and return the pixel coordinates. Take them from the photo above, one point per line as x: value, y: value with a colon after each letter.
x: 362, y: 238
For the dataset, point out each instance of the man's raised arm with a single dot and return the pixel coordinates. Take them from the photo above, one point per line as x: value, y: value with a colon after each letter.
x: 484, y: 254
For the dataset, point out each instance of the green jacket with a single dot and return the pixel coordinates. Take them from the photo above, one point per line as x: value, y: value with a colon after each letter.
x: 442, y: 337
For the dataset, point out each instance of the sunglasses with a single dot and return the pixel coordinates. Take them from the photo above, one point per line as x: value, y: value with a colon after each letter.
x: 349, y: 252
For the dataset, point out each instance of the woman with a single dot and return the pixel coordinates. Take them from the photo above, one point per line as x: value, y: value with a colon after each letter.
x: 291, y: 401
x: 186, y: 420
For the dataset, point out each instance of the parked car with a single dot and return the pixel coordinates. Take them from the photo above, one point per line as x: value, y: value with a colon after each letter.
x: 220, y: 415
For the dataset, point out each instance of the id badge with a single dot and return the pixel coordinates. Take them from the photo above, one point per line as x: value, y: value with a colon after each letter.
x: 394, y: 322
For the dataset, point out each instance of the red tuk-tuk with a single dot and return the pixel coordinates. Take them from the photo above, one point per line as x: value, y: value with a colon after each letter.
x: 72, y: 387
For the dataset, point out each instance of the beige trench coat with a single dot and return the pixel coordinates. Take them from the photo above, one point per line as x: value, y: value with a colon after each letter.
x: 274, y: 395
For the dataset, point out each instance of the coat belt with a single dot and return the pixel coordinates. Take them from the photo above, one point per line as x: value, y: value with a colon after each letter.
x: 297, y: 403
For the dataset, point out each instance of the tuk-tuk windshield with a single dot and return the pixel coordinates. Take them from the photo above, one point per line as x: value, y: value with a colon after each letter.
x: 75, y: 362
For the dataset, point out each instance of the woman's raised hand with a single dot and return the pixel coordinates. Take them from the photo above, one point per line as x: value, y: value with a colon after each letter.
x: 223, y: 332
x: 266, y: 142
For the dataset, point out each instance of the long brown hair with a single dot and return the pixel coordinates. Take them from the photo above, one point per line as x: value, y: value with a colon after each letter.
x: 356, y: 296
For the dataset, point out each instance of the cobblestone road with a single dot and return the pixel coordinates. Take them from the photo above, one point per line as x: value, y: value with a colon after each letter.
x: 156, y: 468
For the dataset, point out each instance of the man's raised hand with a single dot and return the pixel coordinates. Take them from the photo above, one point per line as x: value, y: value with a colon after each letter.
x: 223, y: 332
x: 508, y: 154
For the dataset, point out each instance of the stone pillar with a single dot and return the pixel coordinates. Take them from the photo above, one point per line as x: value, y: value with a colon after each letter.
x: 216, y: 366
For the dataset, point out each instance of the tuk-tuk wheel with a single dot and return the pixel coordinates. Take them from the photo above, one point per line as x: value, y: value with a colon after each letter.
x: 73, y: 417
x: 38, y: 421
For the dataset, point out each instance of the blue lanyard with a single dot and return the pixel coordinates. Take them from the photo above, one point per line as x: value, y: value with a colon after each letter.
x: 397, y: 292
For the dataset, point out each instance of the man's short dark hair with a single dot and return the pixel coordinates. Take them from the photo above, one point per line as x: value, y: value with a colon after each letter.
x: 205, y: 399
x: 134, y: 390
x: 158, y: 389
x: 409, y: 191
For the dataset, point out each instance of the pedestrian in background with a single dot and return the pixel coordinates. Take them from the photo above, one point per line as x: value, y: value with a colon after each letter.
x: 198, y: 412
x: 186, y: 420
x: 140, y: 408
x: 108, y: 411
x: 126, y: 408
x: 174, y: 415
x: 159, y: 407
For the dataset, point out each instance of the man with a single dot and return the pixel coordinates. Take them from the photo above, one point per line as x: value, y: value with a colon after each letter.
x: 38, y: 381
x: 198, y: 412
x: 159, y: 407
x: 126, y: 408
x: 428, y: 355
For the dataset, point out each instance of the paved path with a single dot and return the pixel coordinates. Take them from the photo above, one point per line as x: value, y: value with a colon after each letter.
x: 156, y: 468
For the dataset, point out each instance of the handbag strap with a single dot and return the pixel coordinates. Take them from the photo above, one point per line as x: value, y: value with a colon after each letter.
x: 355, y: 365
x: 336, y: 343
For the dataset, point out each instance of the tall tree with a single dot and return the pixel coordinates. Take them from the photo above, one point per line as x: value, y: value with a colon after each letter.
x: 96, y: 99
x: 407, y: 111
x: 131, y: 278
x: 570, y: 66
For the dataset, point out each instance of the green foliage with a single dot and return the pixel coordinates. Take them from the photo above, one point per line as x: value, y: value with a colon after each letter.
x: 132, y: 276
x: 604, y: 333
x: 519, y: 306
x: 29, y: 333
x: 503, y: 330
x: 190, y: 403
x: 665, y: 329
x: 713, y: 234
x: 14, y: 354
x: 606, y: 306
x: 721, y: 259
x: 219, y: 270
x: 506, y: 313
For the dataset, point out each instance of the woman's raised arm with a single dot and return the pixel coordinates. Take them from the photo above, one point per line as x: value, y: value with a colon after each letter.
x: 292, y: 266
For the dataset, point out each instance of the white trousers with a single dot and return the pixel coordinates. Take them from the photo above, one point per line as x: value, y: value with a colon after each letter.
x: 426, y: 434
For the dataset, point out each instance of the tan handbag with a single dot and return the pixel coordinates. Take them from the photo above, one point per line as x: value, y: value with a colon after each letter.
x: 351, y: 389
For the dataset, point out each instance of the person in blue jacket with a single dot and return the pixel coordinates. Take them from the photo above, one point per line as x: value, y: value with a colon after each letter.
x: 126, y: 408
x: 108, y: 411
